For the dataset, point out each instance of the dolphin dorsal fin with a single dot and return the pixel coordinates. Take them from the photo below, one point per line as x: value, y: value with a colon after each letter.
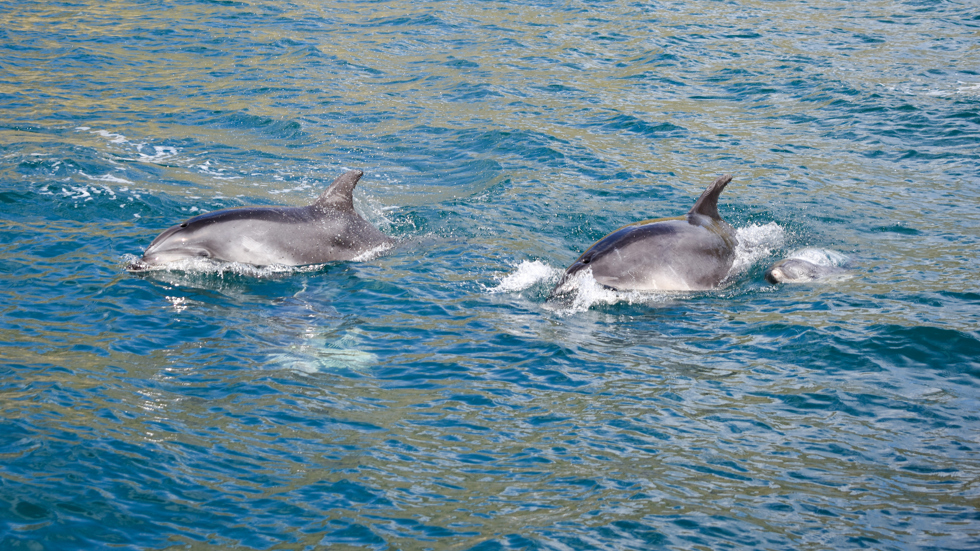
x: 707, y: 204
x: 340, y: 194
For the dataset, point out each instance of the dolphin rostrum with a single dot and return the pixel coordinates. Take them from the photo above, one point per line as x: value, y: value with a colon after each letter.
x: 685, y: 253
x: 328, y: 230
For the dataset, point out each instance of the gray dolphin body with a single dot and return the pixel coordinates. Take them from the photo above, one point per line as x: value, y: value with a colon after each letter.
x: 797, y: 270
x: 325, y: 231
x: 686, y: 253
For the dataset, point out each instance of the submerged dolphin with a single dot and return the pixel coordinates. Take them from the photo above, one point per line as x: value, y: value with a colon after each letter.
x: 325, y: 231
x: 808, y: 265
x: 686, y: 253
x: 797, y: 270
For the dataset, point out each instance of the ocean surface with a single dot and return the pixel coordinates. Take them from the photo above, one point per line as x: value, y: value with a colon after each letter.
x: 431, y: 397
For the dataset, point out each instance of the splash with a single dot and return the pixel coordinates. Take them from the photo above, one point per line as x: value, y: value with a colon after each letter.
x: 589, y: 293
x: 208, y: 266
x: 584, y: 290
x: 755, y: 243
x: 527, y: 274
x: 372, y: 253
x: 820, y: 257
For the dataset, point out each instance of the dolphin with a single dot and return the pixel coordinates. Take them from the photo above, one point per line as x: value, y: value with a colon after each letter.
x: 328, y: 230
x: 685, y: 253
x: 808, y: 265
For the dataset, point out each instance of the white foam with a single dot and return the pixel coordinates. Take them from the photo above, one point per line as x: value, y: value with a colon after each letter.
x: 216, y: 267
x: 217, y: 173
x: 373, y: 253
x: 160, y: 153
x: 286, y: 190
x: 219, y: 267
x: 820, y: 257
x: 83, y: 192
x: 107, y: 178
x: 755, y: 243
x: 113, y: 138
x: 971, y: 89
x: 914, y: 89
x: 527, y: 274
x: 77, y: 192
x: 587, y: 292
x: 583, y: 289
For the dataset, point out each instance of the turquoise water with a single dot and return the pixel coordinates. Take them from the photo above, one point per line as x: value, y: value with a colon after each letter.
x: 430, y: 398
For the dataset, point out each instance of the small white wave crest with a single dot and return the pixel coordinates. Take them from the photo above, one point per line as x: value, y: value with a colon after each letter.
x: 583, y: 292
x: 917, y: 88
x: 527, y: 274
x: 208, y: 266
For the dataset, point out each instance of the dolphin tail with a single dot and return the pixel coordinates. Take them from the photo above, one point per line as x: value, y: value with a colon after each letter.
x: 707, y: 204
x: 340, y: 194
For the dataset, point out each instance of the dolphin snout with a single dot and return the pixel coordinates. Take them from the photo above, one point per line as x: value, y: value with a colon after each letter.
x: 774, y: 275
x: 567, y: 284
x: 165, y: 253
x: 137, y: 266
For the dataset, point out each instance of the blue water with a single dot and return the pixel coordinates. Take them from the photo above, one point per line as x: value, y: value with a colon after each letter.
x: 430, y: 398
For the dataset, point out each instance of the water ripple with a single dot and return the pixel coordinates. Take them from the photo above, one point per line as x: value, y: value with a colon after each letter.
x: 429, y: 397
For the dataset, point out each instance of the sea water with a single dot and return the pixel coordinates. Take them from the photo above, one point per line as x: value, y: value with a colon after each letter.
x: 430, y: 397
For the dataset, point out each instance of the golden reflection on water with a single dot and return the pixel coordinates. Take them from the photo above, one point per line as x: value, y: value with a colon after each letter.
x: 548, y: 455
x: 407, y: 77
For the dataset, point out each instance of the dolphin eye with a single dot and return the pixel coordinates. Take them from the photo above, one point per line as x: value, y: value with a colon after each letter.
x: 205, y: 254
x: 586, y: 260
x: 183, y: 225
